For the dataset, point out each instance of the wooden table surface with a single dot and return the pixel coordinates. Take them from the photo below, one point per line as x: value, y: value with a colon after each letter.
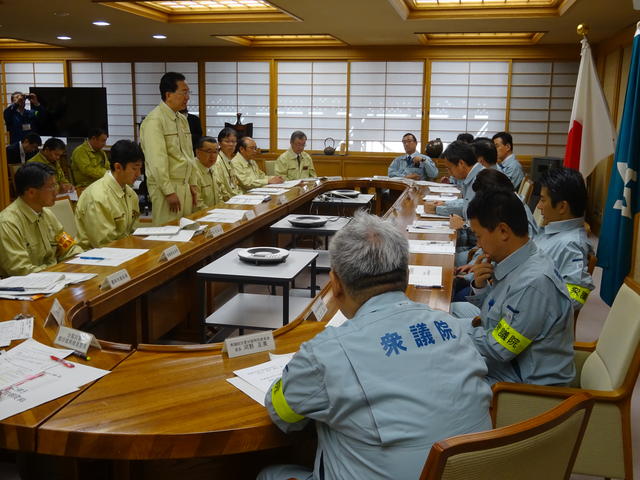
x: 163, y: 402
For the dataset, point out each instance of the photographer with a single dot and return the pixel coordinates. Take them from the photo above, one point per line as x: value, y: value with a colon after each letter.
x: 20, y: 121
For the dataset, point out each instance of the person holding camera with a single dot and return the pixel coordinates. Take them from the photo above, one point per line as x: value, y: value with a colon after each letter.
x: 19, y: 120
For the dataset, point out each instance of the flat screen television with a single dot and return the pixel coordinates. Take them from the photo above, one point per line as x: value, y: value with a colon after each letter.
x: 71, y: 111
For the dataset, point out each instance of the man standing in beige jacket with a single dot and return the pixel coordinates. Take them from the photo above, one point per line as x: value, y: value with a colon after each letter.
x: 166, y: 142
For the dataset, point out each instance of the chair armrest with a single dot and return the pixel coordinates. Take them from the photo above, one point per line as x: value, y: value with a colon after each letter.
x: 550, y: 391
x: 585, y: 346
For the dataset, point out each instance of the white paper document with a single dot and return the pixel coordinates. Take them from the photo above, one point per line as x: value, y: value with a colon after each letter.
x: 269, y: 191
x: 255, y: 381
x: 181, y: 236
x: 15, y: 330
x: 432, y: 246
x: 246, y: 200
x: 420, y: 211
x: 166, y: 230
x: 39, y: 283
x: 29, y: 376
x: 441, y: 189
x: 337, y: 320
x: 287, y: 184
x: 430, y: 226
x: 438, y: 198
x: 223, y: 215
x: 427, y: 183
x: 107, y: 257
x: 424, y: 276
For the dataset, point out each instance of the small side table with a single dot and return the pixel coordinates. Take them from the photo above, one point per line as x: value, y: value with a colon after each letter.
x: 229, y: 268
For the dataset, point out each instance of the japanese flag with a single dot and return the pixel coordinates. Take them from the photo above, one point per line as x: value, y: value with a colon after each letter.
x: 591, y: 132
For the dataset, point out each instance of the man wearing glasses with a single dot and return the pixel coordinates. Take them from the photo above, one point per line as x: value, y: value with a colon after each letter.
x: 31, y: 236
x: 413, y: 164
x: 206, y: 154
x: 166, y: 142
x: 295, y: 163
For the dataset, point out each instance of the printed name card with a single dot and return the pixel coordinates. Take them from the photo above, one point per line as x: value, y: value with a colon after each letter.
x: 115, y: 279
x: 170, y: 253
x: 250, y: 215
x: 76, y: 339
x: 214, y: 231
x: 319, y: 309
x: 248, y: 344
x: 56, y: 314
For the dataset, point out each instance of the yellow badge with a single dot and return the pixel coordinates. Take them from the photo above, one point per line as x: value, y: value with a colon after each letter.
x: 578, y: 293
x: 510, y: 338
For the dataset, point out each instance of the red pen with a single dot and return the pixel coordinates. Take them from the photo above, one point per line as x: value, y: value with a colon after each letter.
x: 64, y: 362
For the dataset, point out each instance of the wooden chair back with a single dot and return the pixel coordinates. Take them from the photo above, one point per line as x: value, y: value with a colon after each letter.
x: 544, y: 446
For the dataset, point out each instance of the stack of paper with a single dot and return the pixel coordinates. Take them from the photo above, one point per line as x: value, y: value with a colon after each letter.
x: 430, y: 226
x: 166, y: 230
x: 426, y: 183
x: 269, y: 191
x: 32, y: 374
x: 287, y: 184
x: 432, y: 246
x: 39, y: 283
x: 223, y: 215
x: 420, y: 211
x: 107, y: 257
x: 424, y: 276
x: 438, y: 198
x: 181, y: 236
x: 444, y: 189
x: 247, y: 200
x: 15, y: 330
x: 255, y: 381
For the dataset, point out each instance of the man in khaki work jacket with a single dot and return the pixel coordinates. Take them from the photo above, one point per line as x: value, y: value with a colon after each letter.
x: 166, y: 142
x: 31, y: 236
x: 206, y: 154
x: 295, y: 163
x: 108, y: 209
x: 246, y: 169
x: 89, y: 161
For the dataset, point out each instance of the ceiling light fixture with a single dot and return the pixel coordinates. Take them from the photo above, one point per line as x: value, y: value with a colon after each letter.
x: 101, y: 23
x: 159, y: 36
x: 63, y: 37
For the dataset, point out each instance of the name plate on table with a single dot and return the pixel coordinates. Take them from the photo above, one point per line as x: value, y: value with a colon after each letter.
x: 250, y: 215
x: 248, y: 344
x: 76, y: 339
x: 170, y: 253
x: 319, y: 309
x: 56, y: 313
x: 115, y: 280
x: 214, y: 231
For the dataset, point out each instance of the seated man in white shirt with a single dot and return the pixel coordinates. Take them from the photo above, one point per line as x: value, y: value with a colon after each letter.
x: 413, y: 165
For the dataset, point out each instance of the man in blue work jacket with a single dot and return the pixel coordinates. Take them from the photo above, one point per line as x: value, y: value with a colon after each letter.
x: 389, y: 382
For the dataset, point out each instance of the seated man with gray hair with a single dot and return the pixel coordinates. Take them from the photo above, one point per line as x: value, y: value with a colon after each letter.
x: 390, y: 381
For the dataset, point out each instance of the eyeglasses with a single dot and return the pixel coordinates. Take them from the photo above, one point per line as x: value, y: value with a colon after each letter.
x: 208, y: 151
x: 186, y: 93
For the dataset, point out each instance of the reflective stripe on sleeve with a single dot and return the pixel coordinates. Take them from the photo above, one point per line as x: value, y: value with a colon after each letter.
x: 510, y: 338
x: 578, y: 293
x: 280, y: 405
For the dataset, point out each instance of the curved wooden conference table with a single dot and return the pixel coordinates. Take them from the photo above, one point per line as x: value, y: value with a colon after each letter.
x: 172, y: 402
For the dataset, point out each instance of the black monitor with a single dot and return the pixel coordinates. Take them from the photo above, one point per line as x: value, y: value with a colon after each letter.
x: 71, y: 111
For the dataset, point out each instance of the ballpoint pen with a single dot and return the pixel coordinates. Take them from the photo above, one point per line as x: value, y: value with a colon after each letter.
x: 91, y: 258
x: 62, y: 361
x: 11, y: 289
